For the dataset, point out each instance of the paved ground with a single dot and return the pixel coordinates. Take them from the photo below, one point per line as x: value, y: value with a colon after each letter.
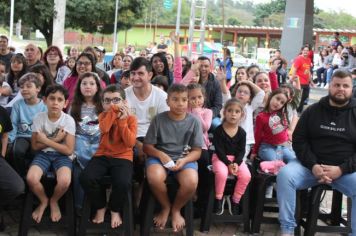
x: 12, y: 215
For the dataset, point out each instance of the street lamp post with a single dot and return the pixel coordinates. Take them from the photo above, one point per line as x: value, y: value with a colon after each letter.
x: 11, y: 21
x: 114, y: 47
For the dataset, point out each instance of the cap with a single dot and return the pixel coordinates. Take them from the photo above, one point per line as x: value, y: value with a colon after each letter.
x: 100, y: 48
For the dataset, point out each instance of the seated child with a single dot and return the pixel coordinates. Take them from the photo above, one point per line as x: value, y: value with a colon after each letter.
x: 22, y: 114
x: 229, y: 142
x: 113, y: 157
x: 173, y: 145
x: 53, y: 140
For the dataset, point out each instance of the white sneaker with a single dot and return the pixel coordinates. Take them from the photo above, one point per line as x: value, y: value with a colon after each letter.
x: 326, y: 86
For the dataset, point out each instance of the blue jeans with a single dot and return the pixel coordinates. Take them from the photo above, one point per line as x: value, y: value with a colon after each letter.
x: 329, y: 73
x: 295, y: 176
x: 85, y: 148
x: 268, y: 152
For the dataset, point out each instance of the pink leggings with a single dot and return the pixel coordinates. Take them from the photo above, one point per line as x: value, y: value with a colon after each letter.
x: 221, y: 173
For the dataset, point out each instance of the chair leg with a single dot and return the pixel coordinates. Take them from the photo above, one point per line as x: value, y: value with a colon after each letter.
x: 207, y: 214
x: 188, y: 212
x: 85, y: 217
x: 246, y: 210
x: 70, y: 214
x: 313, y: 215
x: 260, y: 201
x: 128, y: 216
x: 146, y: 222
x: 336, y: 208
x: 26, y: 217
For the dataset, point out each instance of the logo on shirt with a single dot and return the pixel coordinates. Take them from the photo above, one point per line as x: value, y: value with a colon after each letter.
x: 275, y: 124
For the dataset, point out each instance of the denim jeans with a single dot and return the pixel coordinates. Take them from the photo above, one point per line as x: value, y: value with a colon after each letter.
x: 295, y: 176
x: 268, y: 152
x: 85, y: 148
x: 329, y: 73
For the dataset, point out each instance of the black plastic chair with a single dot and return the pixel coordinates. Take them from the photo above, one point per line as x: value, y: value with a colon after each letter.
x: 334, y: 221
x: 209, y: 217
x: 68, y: 216
x: 127, y: 221
x: 148, y: 206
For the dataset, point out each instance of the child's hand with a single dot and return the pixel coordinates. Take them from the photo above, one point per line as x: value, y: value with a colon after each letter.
x: 123, y: 112
x: 41, y: 137
x: 232, y: 168
x: 174, y: 37
x: 179, y: 164
x: 165, y: 159
x: 60, y: 135
x: 220, y: 75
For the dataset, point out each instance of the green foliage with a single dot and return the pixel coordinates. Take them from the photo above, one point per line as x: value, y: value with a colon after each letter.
x: 99, y: 15
x: 88, y: 15
x: 233, y: 21
x: 336, y: 20
x: 265, y: 13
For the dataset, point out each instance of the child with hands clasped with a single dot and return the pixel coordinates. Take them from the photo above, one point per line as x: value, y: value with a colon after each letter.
x: 113, y: 157
x: 53, y: 140
x: 271, y: 130
x: 229, y: 142
x: 173, y: 145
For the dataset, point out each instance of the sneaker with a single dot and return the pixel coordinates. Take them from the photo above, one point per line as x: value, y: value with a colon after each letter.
x: 234, y: 208
x: 326, y: 86
x: 219, y: 206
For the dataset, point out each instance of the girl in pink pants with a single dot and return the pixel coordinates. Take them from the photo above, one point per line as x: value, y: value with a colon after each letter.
x: 229, y: 142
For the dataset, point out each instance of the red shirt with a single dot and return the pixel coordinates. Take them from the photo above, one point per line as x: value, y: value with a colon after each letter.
x: 302, y: 66
x: 269, y: 129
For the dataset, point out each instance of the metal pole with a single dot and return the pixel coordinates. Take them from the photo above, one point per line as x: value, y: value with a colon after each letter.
x: 178, y: 16
x: 114, y: 46
x: 11, y: 21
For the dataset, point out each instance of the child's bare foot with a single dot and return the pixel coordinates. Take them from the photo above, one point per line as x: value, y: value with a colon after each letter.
x: 116, y: 220
x: 38, y: 212
x: 55, y: 211
x: 99, y: 216
x: 178, y: 221
x: 160, y: 220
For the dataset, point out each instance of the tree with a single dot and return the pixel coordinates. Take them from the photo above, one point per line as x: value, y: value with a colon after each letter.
x: 98, y: 15
x: 233, y: 21
x: 266, y: 10
x: 88, y: 15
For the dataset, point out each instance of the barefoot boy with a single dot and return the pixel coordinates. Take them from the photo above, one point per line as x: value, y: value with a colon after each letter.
x: 173, y: 145
x: 53, y: 138
x: 114, y: 156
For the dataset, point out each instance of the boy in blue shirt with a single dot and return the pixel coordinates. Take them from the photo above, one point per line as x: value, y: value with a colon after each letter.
x: 22, y: 114
x: 53, y: 139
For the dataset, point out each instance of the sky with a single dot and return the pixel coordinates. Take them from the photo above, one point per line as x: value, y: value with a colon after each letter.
x: 348, y: 6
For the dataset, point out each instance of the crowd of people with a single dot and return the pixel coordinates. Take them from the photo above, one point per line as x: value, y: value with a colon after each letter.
x: 158, y: 115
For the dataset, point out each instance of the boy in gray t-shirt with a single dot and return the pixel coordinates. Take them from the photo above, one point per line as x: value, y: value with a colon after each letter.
x: 173, y: 145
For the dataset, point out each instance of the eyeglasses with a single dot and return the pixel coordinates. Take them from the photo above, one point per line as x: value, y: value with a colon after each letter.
x: 243, y: 92
x: 116, y: 100
x: 83, y: 63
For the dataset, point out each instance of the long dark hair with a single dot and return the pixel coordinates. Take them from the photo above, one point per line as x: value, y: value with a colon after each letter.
x: 162, y: 57
x: 187, y: 66
x: 91, y: 59
x: 78, y: 100
x: 11, y: 77
x: 44, y: 71
x: 283, y: 112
